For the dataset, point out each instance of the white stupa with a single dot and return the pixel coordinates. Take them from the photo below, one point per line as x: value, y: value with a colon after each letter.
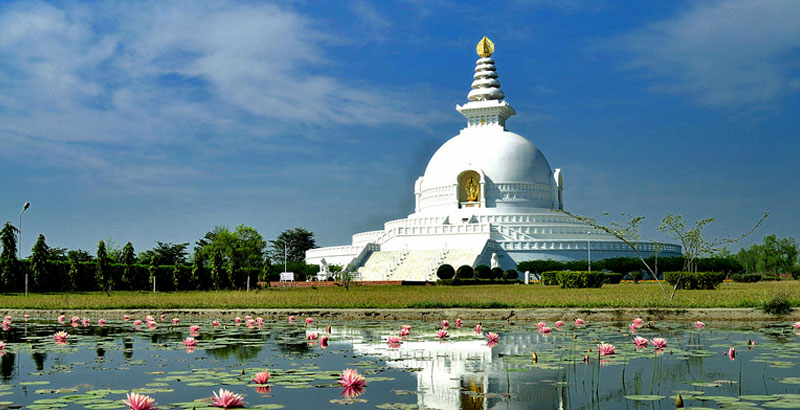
x: 488, y: 196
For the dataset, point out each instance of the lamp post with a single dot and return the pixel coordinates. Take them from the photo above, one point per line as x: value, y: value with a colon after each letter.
x: 589, y: 249
x: 24, y: 207
x: 285, y: 254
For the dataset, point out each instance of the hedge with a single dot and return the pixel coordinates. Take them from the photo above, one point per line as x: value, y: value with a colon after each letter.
x: 746, y: 277
x: 465, y: 271
x: 445, y: 271
x: 497, y: 273
x: 549, y: 278
x: 475, y: 281
x: 613, y: 278
x: 694, y: 280
x: 510, y: 274
x: 579, y: 279
x: 483, y: 272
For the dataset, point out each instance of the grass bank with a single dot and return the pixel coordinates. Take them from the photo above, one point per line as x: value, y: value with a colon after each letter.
x: 624, y: 295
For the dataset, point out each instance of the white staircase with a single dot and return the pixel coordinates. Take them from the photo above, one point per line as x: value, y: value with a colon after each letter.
x: 414, y: 267
x: 377, y: 265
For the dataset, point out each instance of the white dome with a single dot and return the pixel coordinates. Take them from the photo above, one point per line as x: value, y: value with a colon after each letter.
x: 513, y: 171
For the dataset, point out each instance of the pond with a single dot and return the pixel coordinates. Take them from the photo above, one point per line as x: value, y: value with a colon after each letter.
x: 96, y: 366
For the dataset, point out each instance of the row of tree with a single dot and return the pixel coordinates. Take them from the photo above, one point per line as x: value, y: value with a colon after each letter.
x: 221, y: 259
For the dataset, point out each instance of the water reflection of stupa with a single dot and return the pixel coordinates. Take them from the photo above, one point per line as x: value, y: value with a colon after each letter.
x: 463, y: 372
x: 488, y: 196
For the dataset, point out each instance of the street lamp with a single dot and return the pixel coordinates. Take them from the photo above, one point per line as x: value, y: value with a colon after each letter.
x: 24, y: 207
x: 589, y: 249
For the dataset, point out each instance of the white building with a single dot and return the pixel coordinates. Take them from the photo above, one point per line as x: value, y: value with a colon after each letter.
x: 488, y: 196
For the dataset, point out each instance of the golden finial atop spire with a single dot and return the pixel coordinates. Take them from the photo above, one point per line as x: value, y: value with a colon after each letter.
x: 485, y: 47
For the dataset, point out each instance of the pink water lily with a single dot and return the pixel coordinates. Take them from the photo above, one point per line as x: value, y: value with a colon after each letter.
x: 559, y: 323
x: 699, y: 325
x: 640, y: 342
x: 445, y: 324
x: 579, y: 322
x: 493, y: 339
x: 148, y: 318
x: 546, y: 330
x: 175, y: 320
x: 796, y: 325
x: 352, y: 382
x: 606, y: 349
x: 190, y: 342
x: 405, y: 332
x: 441, y: 334
x: 126, y: 317
x: 26, y: 317
x: 163, y: 317
x: 61, y: 337
x: 137, y: 322
x: 638, y: 322
x: 215, y: 323
x: 312, y: 336
x: 101, y: 322
x: 85, y: 322
x: 2, y: 345
x: 732, y: 353
x: 323, y: 342
x: 261, y: 378
x: 194, y: 328
x: 659, y: 342
x: 138, y: 401
x: 309, y: 320
x: 237, y: 320
x: 75, y: 319
x: 227, y: 399
x: 61, y: 319
x: 394, y: 342
x: 540, y: 325
x: 458, y: 323
x: 478, y: 329
x: 291, y: 319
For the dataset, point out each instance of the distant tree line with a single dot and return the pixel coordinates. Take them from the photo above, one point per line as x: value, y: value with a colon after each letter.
x: 221, y: 259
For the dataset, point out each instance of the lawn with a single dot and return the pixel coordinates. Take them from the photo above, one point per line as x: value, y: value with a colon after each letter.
x: 648, y: 295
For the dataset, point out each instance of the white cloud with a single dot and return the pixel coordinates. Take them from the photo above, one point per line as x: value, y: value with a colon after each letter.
x: 731, y: 53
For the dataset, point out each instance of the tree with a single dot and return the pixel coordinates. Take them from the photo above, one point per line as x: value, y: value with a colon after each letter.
x: 8, y: 258
x: 773, y: 256
x: 101, y: 275
x: 235, y: 273
x: 198, y: 276
x: 217, y: 275
x: 39, y: 264
x: 294, y: 243
x: 179, y: 277
x: 72, y: 274
x: 57, y: 254
x: 244, y: 243
x: 127, y: 258
x: 166, y: 253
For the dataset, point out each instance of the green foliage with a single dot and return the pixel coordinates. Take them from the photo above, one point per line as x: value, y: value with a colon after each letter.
x: 181, y: 277
x: 9, y: 271
x: 779, y: 305
x: 636, y: 276
x: 293, y: 243
x: 101, y: 276
x: 235, y: 277
x: 613, y: 278
x: 539, y: 266
x: 579, y: 279
x: 72, y: 273
x: 549, y: 278
x: 483, y: 272
x: 465, y: 271
x: 473, y: 281
x: 511, y: 274
x: 746, y: 277
x: 770, y: 278
x: 244, y: 244
x: 497, y: 273
x: 218, y: 276
x: 165, y: 253
x: 199, y: 274
x: 39, y: 252
x: 694, y: 280
x: 773, y: 256
x: 445, y: 272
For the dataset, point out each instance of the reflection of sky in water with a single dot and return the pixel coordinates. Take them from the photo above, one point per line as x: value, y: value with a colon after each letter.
x: 459, y: 373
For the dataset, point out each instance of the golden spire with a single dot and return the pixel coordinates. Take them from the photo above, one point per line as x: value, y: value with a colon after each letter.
x: 485, y: 47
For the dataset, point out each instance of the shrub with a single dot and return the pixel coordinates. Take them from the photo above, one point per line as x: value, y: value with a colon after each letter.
x: 636, y: 276
x: 468, y: 274
x: 695, y: 280
x: 465, y: 271
x: 497, y: 273
x: 445, y: 272
x: 770, y: 278
x: 796, y: 272
x: 511, y: 274
x: 579, y: 279
x: 549, y: 278
x: 779, y: 304
x: 483, y: 272
x: 613, y: 278
x: 746, y: 277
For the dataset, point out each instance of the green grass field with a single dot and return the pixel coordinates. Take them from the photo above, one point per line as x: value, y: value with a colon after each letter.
x: 647, y: 295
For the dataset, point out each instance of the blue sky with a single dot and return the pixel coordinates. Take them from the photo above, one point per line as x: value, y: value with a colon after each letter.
x: 145, y: 121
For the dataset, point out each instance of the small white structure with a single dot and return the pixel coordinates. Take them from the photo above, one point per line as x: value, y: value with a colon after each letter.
x: 286, y: 277
x: 488, y: 196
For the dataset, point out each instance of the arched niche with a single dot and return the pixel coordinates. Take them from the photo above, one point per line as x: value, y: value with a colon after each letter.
x: 470, y: 188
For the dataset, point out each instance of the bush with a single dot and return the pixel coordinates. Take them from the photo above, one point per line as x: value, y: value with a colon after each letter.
x: 445, y: 272
x: 483, y: 272
x: 746, y: 277
x: 465, y: 271
x: 636, y: 276
x: 767, y: 278
x: 497, y: 273
x: 549, y: 278
x: 613, y: 278
x: 779, y: 305
x: 796, y: 272
x: 511, y: 274
x: 579, y: 279
x: 695, y: 280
